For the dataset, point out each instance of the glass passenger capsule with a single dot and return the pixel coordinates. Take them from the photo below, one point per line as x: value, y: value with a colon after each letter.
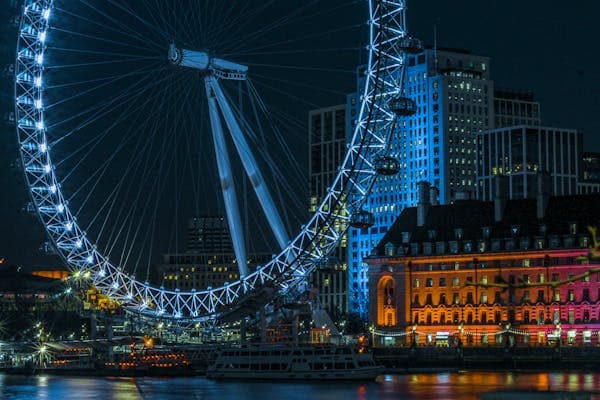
x: 403, y: 106
x: 362, y: 219
x: 410, y: 45
x: 386, y: 165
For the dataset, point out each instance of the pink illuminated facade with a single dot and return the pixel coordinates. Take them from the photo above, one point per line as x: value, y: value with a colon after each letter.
x: 521, y: 272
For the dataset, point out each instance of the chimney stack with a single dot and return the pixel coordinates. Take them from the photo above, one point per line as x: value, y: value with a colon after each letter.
x: 500, y: 196
x: 424, y: 202
x: 543, y: 193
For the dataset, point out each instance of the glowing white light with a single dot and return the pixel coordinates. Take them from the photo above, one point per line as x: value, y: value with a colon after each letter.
x: 38, y: 81
x: 39, y: 59
x: 47, y: 168
x: 68, y: 226
x: 178, y: 314
x: 115, y: 285
x: 38, y: 103
x: 42, y: 36
x: 129, y: 296
x: 46, y: 14
x: 43, y: 147
x: 39, y: 125
x: 68, y: 290
x: 52, y: 189
x: 78, y: 244
x: 90, y: 259
x: 102, y: 273
x: 60, y: 208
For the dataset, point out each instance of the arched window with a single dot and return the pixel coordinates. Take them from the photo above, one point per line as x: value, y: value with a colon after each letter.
x: 386, y: 302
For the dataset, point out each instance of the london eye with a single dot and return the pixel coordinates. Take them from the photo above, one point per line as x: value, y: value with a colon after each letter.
x: 124, y: 109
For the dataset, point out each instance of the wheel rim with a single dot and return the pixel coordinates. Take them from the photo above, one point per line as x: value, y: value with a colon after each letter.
x: 290, y: 267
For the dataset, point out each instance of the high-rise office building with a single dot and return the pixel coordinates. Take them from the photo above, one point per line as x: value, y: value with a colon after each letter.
x: 327, y: 144
x: 209, y: 260
x: 520, y: 152
x: 327, y: 141
x: 455, y: 99
x: 590, y: 178
x: 591, y: 167
x: 515, y: 107
x: 209, y: 235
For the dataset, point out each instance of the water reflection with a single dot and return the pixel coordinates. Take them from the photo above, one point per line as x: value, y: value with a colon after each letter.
x: 464, y: 385
x: 470, y: 385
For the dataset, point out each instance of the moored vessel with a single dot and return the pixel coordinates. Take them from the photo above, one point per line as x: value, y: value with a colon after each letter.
x: 293, y: 362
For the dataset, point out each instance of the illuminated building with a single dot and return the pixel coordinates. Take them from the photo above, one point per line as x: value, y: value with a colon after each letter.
x: 199, y: 271
x: 590, y: 182
x: 35, y: 292
x: 520, y: 152
x: 522, y: 271
x: 209, y: 260
x: 327, y: 144
x: 454, y: 96
x: 39, y: 306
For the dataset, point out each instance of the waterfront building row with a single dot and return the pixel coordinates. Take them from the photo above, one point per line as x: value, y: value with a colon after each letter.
x: 508, y: 271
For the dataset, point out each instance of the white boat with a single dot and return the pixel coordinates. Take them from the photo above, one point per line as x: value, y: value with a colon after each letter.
x: 292, y: 362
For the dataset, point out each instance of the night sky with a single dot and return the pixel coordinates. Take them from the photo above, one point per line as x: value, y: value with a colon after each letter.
x: 547, y: 47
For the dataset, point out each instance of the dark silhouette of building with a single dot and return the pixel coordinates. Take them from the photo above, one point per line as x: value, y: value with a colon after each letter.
x: 209, y: 235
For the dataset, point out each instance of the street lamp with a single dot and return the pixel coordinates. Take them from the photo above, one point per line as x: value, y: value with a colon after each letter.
x: 42, y: 354
x: 414, y: 335
x: 198, y: 329
x: 507, y: 334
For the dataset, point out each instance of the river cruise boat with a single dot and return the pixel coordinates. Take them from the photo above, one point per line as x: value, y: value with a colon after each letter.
x: 293, y: 362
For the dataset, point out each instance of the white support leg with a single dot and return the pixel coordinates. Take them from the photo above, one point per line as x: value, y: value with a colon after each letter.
x: 251, y: 167
x: 226, y: 178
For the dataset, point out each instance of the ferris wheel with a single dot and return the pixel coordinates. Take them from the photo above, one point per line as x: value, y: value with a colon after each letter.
x: 141, y: 83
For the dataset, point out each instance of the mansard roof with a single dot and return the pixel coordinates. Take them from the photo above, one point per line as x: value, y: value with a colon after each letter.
x: 470, y: 217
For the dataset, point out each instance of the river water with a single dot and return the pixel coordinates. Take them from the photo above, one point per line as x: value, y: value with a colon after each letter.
x: 463, y: 386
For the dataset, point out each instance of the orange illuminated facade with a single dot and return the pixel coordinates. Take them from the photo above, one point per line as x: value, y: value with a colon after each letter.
x: 466, y: 275
x: 387, y: 311
x: 52, y: 274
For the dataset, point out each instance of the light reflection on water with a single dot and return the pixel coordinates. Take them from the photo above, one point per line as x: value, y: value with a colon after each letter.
x: 450, y: 386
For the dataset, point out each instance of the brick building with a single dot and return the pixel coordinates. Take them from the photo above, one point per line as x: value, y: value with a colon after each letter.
x: 518, y: 271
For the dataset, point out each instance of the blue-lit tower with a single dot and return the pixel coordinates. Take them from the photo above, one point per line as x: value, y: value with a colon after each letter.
x: 453, y: 95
